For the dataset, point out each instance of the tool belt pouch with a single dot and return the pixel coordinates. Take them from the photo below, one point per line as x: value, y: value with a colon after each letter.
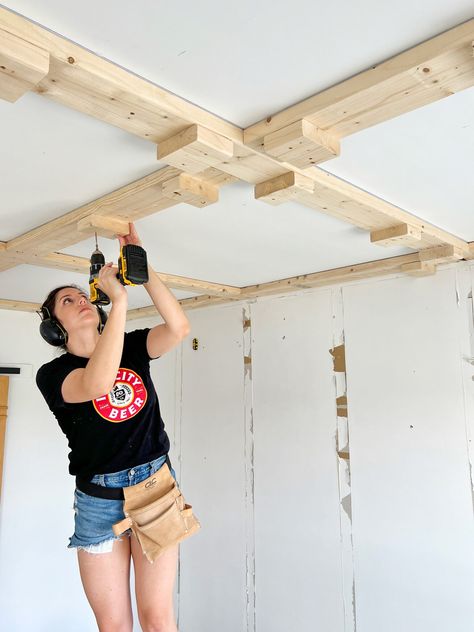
x: 157, y: 514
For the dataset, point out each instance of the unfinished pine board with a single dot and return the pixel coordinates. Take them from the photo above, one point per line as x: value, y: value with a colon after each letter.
x: 105, y: 226
x: 4, y: 382
x: 329, y: 194
x: 88, y: 83
x: 22, y: 66
x: 194, y: 147
x: 81, y: 80
x: 212, y: 475
x: 425, y: 73
x: 188, y: 189
x: 301, y: 144
x: 411, y: 494
x: 297, y: 523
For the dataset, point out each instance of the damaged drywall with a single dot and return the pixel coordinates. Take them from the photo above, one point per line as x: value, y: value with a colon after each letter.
x: 342, y: 447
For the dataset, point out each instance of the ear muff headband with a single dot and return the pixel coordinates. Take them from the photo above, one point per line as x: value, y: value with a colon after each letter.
x: 53, y: 332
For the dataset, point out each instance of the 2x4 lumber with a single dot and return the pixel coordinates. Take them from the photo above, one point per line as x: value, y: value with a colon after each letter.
x: 301, y: 144
x: 443, y: 254
x: 20, y: 306
x: 81, y: 265
x: 186, y: 303
x: 399, y: 235
x: 430, y: 71
x: 419, y: 268
x: 333, y: 196
x: 189, y: 189
x: 404, y: 263
x: 133, y: 201
x: 4, y: 382
x: 108, y: 227
x: 22, y: 66
x: 79, y: 79
x: 195, y: 147
x: 329, y: 277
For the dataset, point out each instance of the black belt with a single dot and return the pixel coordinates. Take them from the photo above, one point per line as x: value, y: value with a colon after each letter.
x: 99, y: 491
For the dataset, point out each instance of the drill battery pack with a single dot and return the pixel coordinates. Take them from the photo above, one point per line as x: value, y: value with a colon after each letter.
x: 132, y: 265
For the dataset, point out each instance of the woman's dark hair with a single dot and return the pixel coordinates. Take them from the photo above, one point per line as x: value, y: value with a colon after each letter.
x: 50, y: 302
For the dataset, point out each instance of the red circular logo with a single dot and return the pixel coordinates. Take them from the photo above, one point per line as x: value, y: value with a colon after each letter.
x: 125, y: 400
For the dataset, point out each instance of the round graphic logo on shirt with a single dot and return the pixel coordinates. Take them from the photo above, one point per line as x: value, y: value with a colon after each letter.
x: 125, y: 400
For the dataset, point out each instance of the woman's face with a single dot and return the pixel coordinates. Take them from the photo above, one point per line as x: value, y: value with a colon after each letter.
x: 74, y: 311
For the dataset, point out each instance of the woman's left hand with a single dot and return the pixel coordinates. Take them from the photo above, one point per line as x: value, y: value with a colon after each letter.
x: 131, y: 238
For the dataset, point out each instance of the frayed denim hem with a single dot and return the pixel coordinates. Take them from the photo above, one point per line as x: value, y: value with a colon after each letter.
x: 105, y: 546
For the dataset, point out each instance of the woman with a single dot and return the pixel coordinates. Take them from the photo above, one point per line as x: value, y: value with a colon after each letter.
x: 115, y: 440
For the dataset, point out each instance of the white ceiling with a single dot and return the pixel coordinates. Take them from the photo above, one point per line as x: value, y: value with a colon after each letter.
x: 242, y: 61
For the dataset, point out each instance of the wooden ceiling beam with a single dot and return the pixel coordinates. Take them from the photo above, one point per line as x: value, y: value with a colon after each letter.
x: 333, y: 196
x: 134, y: 201
x: 81, y: 265
x: 22, y: 66
x: 430, y: 71
x: 79, y: 79
x: 86, y: 82
x: 408, y: 264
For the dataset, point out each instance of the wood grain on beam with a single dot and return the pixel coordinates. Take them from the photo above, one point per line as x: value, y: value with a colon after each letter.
x: 399, y: 234
x: 86, y: 82
x: 133, y: 201
x: 419, y: 268
x: 329, y: 277
x: 195, y: 148
x: 20, y: 306
x: 4, y: 383
x: 22, y: 66
x: 105, y: 226
x: 333, y: 196
x: 188, y: 189
x: 301, y: 144
x: 421, y: 75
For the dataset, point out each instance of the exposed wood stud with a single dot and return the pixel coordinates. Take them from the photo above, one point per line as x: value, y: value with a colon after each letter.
x: 195, y: 148
x: 301, y: 144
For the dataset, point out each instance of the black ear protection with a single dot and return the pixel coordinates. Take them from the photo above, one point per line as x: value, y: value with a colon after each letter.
x: 52, y: 331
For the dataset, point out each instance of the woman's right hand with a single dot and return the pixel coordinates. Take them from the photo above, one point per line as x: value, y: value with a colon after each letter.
x: 108, y: 283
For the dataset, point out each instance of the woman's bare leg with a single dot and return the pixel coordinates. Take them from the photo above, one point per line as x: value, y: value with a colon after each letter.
x: 154, y: 585
x: 106, y: 581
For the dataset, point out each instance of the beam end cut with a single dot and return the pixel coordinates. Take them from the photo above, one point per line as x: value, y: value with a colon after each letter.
x: 188, y: 189
x: 194, y: 149
x: 301, y: 145
x: 284, y: 188
x: 398, y: 235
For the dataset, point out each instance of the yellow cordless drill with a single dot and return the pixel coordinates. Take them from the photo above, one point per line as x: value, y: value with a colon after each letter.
x: 132, y: 265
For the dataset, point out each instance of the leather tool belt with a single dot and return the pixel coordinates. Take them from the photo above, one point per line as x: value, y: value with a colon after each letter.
x: 155, y: 511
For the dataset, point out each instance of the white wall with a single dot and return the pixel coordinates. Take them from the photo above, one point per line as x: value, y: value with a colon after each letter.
x: 254, y: 445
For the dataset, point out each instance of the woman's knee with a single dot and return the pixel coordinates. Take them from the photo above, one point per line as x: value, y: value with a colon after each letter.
x: 162, y: 621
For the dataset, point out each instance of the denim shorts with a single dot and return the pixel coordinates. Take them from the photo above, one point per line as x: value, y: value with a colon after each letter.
x: 94, y: 517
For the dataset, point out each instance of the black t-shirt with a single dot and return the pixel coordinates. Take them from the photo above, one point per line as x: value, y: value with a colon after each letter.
x: 119, y: 430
